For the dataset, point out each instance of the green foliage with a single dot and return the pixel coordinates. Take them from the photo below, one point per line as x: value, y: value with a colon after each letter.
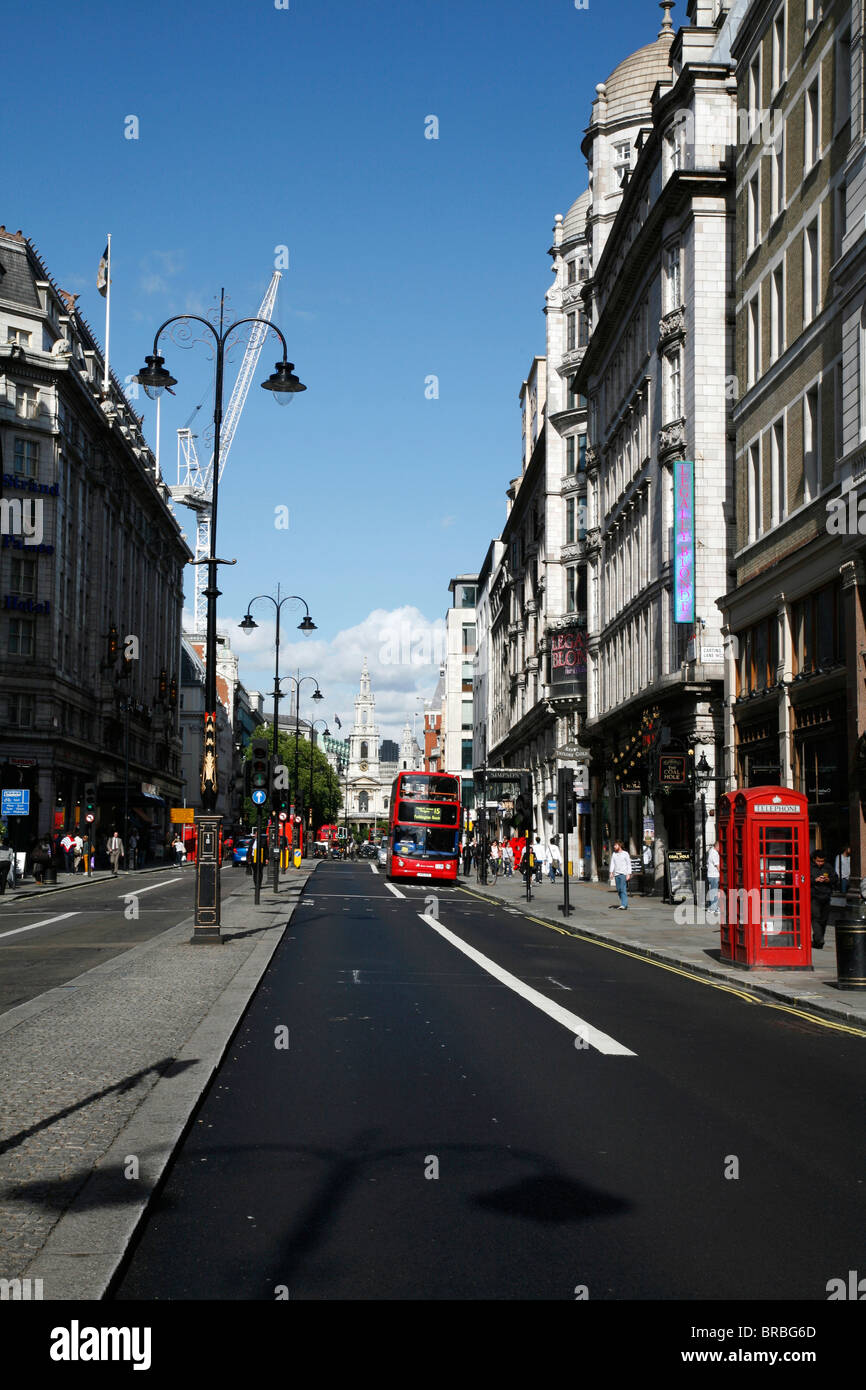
x: 326, y: 794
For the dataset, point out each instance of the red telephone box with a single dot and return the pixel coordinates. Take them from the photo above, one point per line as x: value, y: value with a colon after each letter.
x: 764, y: 899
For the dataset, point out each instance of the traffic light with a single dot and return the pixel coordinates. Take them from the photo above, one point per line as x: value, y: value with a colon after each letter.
x: 523, y: 804
x: 90, y: 796
x: 567, y: 801
x: 260, y: 771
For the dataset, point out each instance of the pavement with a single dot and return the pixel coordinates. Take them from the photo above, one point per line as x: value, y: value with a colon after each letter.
x: 664, y: 932
x: 100, y: 1077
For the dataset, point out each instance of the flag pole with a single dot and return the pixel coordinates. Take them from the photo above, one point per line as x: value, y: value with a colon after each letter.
x: 107, y: 316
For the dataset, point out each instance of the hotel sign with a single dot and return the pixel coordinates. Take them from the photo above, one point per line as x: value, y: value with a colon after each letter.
x: 684, y: 541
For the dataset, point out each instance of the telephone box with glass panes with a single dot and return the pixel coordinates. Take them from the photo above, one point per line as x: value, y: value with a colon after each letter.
x: 764, y: 901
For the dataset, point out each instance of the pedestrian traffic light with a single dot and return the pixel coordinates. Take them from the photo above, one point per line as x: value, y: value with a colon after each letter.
x: 260, y: 774
x: 523, y: 804
x: 90, y: 796
x: 567, y: 801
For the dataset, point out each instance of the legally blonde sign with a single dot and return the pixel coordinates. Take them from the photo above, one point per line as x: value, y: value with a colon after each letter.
x: 568, y: 656
x: 684, y: 542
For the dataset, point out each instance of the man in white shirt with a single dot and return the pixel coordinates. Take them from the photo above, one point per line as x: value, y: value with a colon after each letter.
x: 555, y: 860
x: 620, y: 873
x: 713, y: 879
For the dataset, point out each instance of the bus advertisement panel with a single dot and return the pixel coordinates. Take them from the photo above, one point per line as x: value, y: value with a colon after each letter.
x: 424, y: 826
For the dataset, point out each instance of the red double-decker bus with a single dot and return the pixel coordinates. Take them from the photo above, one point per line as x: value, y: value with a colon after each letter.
x: 424, y: 826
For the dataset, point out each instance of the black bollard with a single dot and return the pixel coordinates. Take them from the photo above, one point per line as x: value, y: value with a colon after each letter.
x: 851, y: 942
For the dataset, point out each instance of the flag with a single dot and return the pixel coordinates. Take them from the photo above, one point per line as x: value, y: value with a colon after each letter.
x: 337, y: 721
x: 102, y: 274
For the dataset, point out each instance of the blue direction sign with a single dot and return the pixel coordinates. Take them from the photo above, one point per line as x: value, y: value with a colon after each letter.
x: 15, y: 801
x: 551, y: 804
x: 259, y: 798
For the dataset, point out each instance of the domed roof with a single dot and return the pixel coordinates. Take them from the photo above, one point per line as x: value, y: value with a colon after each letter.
x: 574, y: 222
x: 630, y: 85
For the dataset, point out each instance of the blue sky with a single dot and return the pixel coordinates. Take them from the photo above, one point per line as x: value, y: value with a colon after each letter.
x: 408, y: 257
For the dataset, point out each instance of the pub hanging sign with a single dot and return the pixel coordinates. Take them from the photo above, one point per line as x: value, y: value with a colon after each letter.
x: 672, y: 770
x: 684, y: 541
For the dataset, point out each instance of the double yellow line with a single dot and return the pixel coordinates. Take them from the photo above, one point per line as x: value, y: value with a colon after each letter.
x: 686, y: 974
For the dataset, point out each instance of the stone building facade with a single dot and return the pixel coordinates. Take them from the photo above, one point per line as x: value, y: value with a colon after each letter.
x: 90, y: 611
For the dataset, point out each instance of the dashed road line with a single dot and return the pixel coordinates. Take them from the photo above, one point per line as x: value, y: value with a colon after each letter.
x: 46, y: 922
x: 395, y: 891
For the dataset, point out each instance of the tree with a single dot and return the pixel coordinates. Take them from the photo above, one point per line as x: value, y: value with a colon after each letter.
x: 327, y: 797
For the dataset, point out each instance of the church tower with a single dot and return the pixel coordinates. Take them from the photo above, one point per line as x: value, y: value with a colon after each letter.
x: 364, y: 738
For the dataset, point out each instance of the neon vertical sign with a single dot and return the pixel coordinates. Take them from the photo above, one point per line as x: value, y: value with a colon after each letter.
x: 684, y: 541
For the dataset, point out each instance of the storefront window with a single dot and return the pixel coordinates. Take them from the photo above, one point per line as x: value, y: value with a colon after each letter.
x: 759, y: 656
x: 817, y: 630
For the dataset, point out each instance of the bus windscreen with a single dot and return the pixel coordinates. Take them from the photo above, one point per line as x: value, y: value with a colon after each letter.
x: 430, y: 788
x: 420, y: 812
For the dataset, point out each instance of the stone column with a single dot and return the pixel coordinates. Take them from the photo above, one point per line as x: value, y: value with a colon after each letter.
x: 852, y: 573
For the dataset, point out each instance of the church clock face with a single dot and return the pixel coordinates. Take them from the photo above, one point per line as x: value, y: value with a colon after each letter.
x: 364, y: 766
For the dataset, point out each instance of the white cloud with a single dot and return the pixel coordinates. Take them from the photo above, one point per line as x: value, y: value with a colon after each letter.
x: 403, y: 650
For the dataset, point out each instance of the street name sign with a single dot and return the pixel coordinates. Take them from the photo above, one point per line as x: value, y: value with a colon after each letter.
x: 15, y: 801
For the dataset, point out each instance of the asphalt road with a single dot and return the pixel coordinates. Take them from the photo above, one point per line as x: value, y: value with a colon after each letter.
x: 394, y: 1121
x: 49, y: 938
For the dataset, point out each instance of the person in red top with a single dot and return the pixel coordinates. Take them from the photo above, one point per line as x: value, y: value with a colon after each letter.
x: 519, y: 852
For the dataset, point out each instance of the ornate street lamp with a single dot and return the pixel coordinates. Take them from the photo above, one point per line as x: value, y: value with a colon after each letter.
x: 155, y: 379
x: 306, y: 625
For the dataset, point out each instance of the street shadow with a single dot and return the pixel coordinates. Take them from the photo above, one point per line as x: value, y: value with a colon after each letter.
x: 551, y: 1198
x: 108, y: 1187
x: 167, y: 1067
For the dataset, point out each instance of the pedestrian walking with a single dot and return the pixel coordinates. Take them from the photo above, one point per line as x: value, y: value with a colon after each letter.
x: 179, y: 850
x: 538, y: 851
x: 843, y: 869
x: 713, y: 871
x: 115, y: 851
x: 822, y: 883
x: 67, y: 844
x: 467, y: 858
x: 133, y: 849
x: 545, y: 863
x: 507, y: 859
x: 40, y: 858
x: 620, y: 873
x: 7, y: 864
x: 495, y: 858
x: 555, y: 859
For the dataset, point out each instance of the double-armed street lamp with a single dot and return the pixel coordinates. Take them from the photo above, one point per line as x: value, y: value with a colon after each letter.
x: 306, y: 625
x: 317, y: 695
x: 284, y: 384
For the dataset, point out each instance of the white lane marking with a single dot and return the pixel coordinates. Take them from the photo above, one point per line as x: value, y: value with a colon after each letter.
x: 356, y: 976
x: 395, y: 891
x: 559, y: 984
x: 602, y: 1041
x: 373, y: 867
x: 46, y: 921
x: 136, y: 891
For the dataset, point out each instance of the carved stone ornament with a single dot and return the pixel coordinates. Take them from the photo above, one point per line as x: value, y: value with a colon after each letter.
x: 672, y: 324
x: 672, y: 436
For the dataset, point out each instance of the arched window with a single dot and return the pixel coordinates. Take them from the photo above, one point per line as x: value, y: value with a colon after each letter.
x: 363, y: 750
x: 363, y: 716
x: 363, y: 802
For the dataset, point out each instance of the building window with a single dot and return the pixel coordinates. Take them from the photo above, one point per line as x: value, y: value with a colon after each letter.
x: 20, y: 637
x: 621, y: 161
x: 363, y: 753
x: 753, y: 213
x: 467, y: 596
x: 779, y: 49
x: 755, y: 491
x: 673, y: 405
x: 569, y: 521
x: 812, y: 126
x: 19, y: 336
x: 20, y: 711
x: 841, y: 217
x: 571, y: 589
x: 673, y: 284
x: 816, y: 623
x: 842, y: 85
x: 811, y: 435
x: 569, y: 456
x: 810, y: 19
x: 466, y: 714
x: 570, y: 332
x: 582, y: 328
x: 26, y: 458
x: 581, y: 453
x: 778, y: 473
x: 468, y: 639
x: 811, y: 267
x: 777, y: 313
x: 25, y: 403
x: 755, y: 91
x: 466, y: 755
x: 759, y: 656
x: 571, y: 272
x: 22, y: 577
x: 364, y: 801
x: 777, y: 176
x: 753, y: 340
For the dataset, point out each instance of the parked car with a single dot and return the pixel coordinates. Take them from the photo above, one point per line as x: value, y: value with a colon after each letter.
x: 239, y: 852
x: 382, y: 856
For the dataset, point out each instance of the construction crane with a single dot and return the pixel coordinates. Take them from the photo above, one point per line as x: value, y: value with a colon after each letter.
x: 194, y: 488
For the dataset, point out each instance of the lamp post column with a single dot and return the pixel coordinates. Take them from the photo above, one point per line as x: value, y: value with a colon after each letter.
x: 276, y: 824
